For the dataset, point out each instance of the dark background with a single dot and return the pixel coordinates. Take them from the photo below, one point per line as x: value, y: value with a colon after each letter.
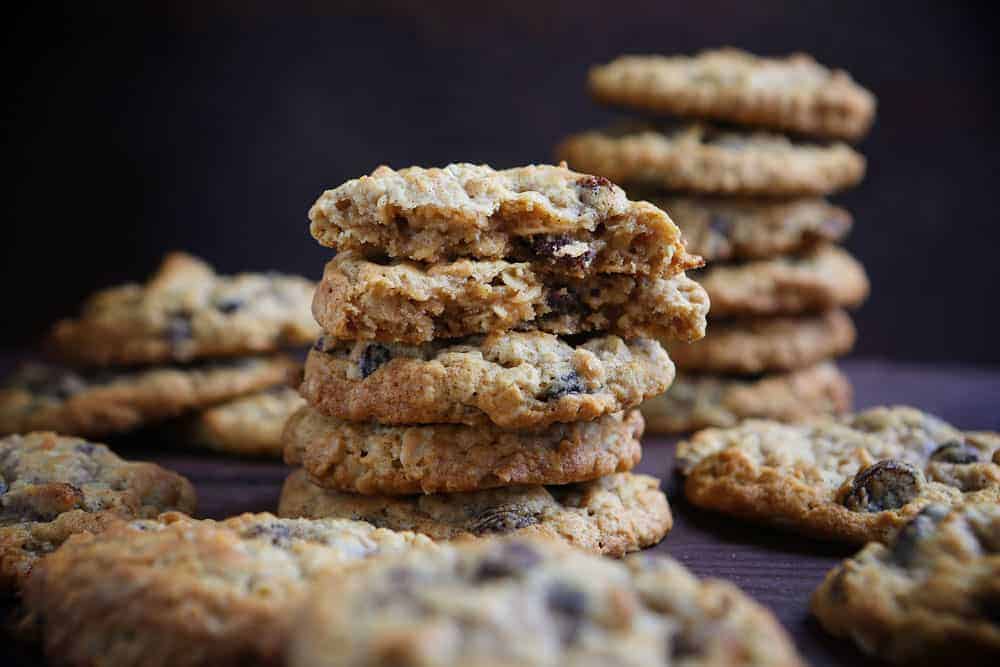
x: 213, y: 126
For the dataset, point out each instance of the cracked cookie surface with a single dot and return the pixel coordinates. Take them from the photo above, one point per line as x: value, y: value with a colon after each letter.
x: 827, y: 277
x: 514, y: 380
x: 613, y: 515
x: 94, y: 403
x: 185, y: 312
x: 248, y: 426
x: 53, y: 486
x: 406, y: 302
x: 792, y: 93
x: 515, y: 601
x: 699, y: 401
x: 932, y: 590
x: 180, y: 591
x: 728, y: 228
x: 856, y: 479
x: 362, y: 457
x: 556, y: 219
x: 756, y: 345
x: 699, y: 158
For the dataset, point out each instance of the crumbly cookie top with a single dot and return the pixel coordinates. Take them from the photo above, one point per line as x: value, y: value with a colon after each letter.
x: 532, y: 602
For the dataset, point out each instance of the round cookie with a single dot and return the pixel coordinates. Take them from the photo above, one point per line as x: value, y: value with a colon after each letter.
x: 756, y: 345
x: 612, y: 515
x: 407, y: 302
x: 556, y: 219
x: 185, y: 312
x: 856, y: 479
x: 513, y: 601
x: 698, y: 158
x: 824, y: 278
x: 248, y: 426
x: 53, y: 486
x: 182, y: 592
x: 728, y: 228
x: 699, y: 401
x: 794, y: 93
x: 42, y: 397
x: 363, y: 457
x: 515, y: 380
x: 929, y: 596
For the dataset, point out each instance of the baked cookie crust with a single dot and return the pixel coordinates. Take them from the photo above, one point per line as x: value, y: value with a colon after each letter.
x: 248, y: 426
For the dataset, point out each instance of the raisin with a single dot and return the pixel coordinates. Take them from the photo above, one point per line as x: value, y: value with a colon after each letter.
x: 954, y: 451
x: 229, y: 305
x: 501, y: 520
x: 562, y: 301
x: 685, y: 645
x: 551, y: 248
x: 320, y: 344
x: 886, y: 485
x: 86, y: 448
x: 373, y: 356
x: 3, y: 486
x: 178, y: 329
x: 919, y: 528
x: 278, y: 533
x: 570, y: 383
x: 568, y: 605
x: 509, y: 560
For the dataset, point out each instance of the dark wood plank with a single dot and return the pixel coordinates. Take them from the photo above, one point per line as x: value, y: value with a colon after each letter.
x: 777, y: 568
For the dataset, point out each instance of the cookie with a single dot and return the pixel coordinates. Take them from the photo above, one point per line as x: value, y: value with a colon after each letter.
x: 52, y: 486
x: 516, y: 601
x: 794, y: 93
x: 185, y: 592
x: 699, y: 158
x: 760, y: 344
x: 248, y: 426
x: 407, y: 302
x: 855, y: 479
x: 96, y: 403
x: 698, y: 401
x: 185, y: 312
x: 555, y: 219
x: 612, y: 515
x: 825, y: 278
x: 930, y: 596
x: 728, y: 228
x: 515, y: 380
x: 362, y: 457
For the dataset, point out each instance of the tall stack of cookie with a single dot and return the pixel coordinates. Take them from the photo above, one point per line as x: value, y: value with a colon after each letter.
x: 750, y: 200
x: 189, y: 343
x: 487, y: 338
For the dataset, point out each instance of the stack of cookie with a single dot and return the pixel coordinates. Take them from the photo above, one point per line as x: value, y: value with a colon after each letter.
x: 751, y: 202
x: 189, y: 343
x: 487, y: 336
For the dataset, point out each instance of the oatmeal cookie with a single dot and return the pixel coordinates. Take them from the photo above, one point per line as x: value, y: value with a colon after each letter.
x: 362, y: 457
x: 514, y: 380
x: 612, y: 515
x: 857, y: 479
x: 185, y: 312
x: 516, y: 601
x: 248, y: 426
x: 407, y: 302
x: 702, y: 159
x: 793, y: 93
x: 52, y: 486
x: 557, y: 220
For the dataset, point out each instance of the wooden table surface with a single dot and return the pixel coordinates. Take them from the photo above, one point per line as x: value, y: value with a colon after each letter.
x: 778, y: 569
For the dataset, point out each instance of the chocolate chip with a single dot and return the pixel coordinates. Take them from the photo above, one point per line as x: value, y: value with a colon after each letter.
x: 570, y: 383
x: 553, y: 249
x: 503, y: 519
x: 511, y: 559
x: 562, y: 301
x: 373, y: 356
x: 568, y: 605
x: 954, y: 451
x: 720, y: 224
x: 883, y: 486
x: 919, y: 528
x: 229, y: 306
x: 178, y: 329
